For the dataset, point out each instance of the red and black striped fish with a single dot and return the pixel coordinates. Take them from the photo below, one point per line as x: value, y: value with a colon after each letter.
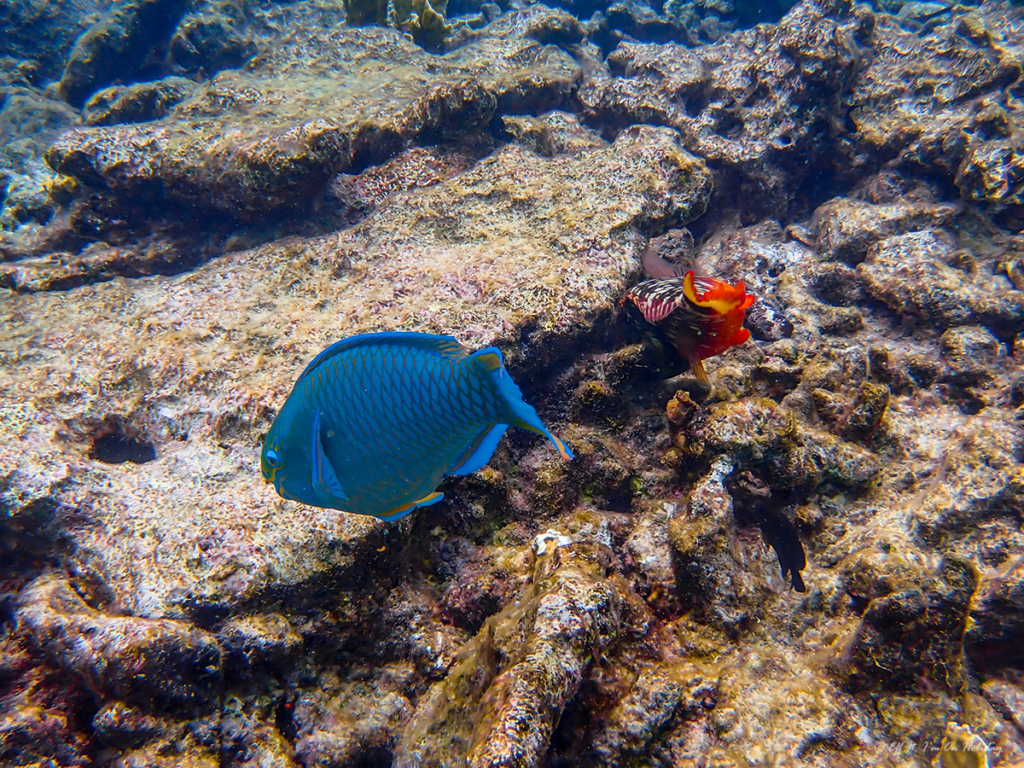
x: 698, y: 316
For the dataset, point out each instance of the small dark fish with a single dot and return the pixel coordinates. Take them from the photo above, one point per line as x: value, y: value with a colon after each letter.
x: 376, y: 421
x: 699, y: 317
x: 781, y: 535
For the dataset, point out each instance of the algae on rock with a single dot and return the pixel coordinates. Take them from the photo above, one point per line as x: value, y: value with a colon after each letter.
x: 501, y: 703
x: 422, y: 19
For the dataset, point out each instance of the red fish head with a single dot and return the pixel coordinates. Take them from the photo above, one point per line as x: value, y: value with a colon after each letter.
x: 721, y: 308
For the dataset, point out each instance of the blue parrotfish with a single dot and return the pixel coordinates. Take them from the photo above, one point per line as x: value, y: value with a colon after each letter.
x: 375, y: 422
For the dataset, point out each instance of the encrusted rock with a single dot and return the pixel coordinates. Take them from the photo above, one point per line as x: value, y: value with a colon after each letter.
x: 499, y: 706
x: 42, y: 34
x: 914, y: 631
x: 261, y: 639
x: 866, y: 411
x: 753, y: 103
x: 909, y: 273
x: 1008, y: 698
x: 116, y: 45
x: 767, y: 321
x: 212, y: 36
x: 756, y: 432
x: 650, y: 547
x: 518, y: 244
x: 157, y: 663
x: 29, y: 120
x: 660, y: 691
x: 123, y: 726
x: 625, y: 606
x: 554, y: 133
x: 249, y: 142
x: 990, y: 170
x: 750, y: 431
x: 40, y: 711
x: 847, y: 229
x: 996, y: 628
x: 135, y: 103
x: 971, y: 352
x: 917, y: 100
x: 702, y: 534
x: 820, y: 709
x: 338, y: 727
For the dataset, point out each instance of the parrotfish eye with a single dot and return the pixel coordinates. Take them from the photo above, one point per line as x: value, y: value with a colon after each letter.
x: 273, y: 459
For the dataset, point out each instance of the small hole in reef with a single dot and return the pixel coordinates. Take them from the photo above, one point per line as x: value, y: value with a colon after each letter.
x: 115, y: 447
x: 969, y: 403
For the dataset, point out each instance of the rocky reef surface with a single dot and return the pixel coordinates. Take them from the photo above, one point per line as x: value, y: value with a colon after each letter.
x: 815, y: 561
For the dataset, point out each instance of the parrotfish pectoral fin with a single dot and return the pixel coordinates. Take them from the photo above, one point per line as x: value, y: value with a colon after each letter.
x: 324, y: 481
x: 523, y: 414
x: 481, y: 450
x: 405, y: 509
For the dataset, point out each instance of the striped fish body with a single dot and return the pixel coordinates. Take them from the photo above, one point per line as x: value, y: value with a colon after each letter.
x: 375, y: 422
x: 699, y: 317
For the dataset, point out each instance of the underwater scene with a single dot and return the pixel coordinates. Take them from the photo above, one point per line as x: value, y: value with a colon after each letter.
x: 460, y: 384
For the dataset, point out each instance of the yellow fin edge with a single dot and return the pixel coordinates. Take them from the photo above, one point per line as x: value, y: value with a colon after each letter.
x: 403, y: 509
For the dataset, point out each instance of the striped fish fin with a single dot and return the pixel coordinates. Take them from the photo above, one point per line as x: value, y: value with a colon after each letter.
x: 523, y: 415
x: 657, y: 299
x: 446, y: 347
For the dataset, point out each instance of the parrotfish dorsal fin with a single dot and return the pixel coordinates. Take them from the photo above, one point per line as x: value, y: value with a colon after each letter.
x: 446, y: 347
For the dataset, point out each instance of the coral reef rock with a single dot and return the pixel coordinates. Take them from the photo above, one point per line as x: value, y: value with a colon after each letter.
x: 814, y: 560
x: 500, y: 704
x: 253, y: 141
x: 518, y: 241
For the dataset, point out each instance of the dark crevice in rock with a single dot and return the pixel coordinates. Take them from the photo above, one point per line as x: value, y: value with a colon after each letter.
x: 114, y: 446
x: 284, y: 716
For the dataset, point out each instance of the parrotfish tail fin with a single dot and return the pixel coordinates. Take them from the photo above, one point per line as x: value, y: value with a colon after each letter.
x: 480, y: 451
x: 697, y: 366
x: 397, y: 512
x: 523, y: 415
x: 324, y: 480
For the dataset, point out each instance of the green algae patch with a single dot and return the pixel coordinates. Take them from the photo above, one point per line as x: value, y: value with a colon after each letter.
x: 422, y: 19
